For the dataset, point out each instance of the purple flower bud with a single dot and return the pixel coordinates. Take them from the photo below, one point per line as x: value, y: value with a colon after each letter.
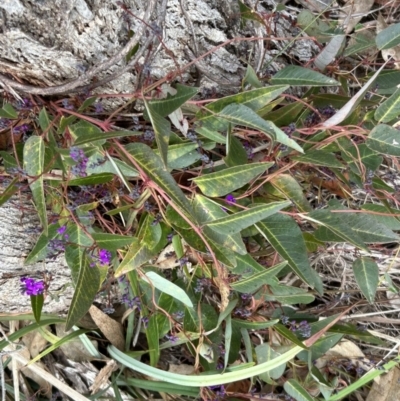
x: 105, y: 257
x: 32, y: 287
x: 230, y: 198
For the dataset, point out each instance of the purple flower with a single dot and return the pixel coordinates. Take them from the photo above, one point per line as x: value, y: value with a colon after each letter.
x: 173, y: 338
x: 32, y: 287
x: 78, y: 155
x: 105, y: 257
x: 230, y: 198
x: 62, y: 230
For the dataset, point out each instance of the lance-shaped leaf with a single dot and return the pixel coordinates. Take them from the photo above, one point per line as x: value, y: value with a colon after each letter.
x: 320, y: 158
x: 299, y: 76
x: 86, y: 287
x: 206, y: 211
x: 389, y: 37
x: 334, y: 223
x: 164, y: 107
x: 364, y: 226
x: 202, y: 380
x: 254, y: 99
x: 137, y: 255
x: 389, y: 109
x: 239, y: 114
x: 384, y: 139
x: 254, y: 282
x: 264, y: 354
x: 289, y: 295
x: 112, y: 242
x: 168, y: 287
x: 162, y: 131
x: 153, y: 167
x: 330, y: 52
x: 237, y: 222
x: 97, y: 135
x: 33, y: 165
x: 286, y: 238
x: 295, y: 390
x: 366, y: 272
x: 223, y: 182
x: 284, y: 186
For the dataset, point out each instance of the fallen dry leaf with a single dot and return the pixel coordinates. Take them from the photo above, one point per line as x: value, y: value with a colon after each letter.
x: 101, y: 380
x: 394, y: 52
x: 111, y: 329
x: 354, y: 10
x: 387, y: 389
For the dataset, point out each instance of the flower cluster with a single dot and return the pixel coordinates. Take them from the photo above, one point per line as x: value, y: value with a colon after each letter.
x: 202, y: 285
x: 303, y: 328
x: 104, y: 257
x: 78, y: 155
x: 57, y: 245
x: 230, y: 198
x: 32, y: 287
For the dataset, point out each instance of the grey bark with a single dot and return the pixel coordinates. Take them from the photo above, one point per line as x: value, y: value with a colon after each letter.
x: 45, y: 43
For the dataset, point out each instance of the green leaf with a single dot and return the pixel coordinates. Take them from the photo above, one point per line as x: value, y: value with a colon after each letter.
x: 164, y: 107
x: 289, y: 295
x: 332, y: 222
x: 37, y: 302
x: 39, y: 251
x: 86, y: 287
x: 87, y: 103
x: 83, y: 129
x: 75, y: 251
x: 319, y: 158
x: 285, y: 115
x: 207, y: 211
x: 93, y: 179
x: 284, y: 186
x: 363, y: 226
x: 384, y: 139
x: 246, y: 266
x: 202, y: 380
x: 137, y: 255
x: 389, y: 37
x: 237, y: 222
x: 149, y: 233
x: 246, y: 13
x: 295, y: 390
x: 153, y: 167
x: 298, y: 76
x: 162, y: 130
x: 236, y: 153
x: 359, y: 44
x: 33, y: 164
x: 152, y: 335
x: 96, y: 135
x: 361, y: 153
x: 254, y: 99
x: 8, y: 111
x: 391, y: 222
x: 239, y: 114
x: 286, y: 238
x: 112, y: 242
x: 44, y: 119
x: 11, y: 189
x: 162, y: 387
x: 264, y: 354
x: 168, y: 287
x: 223, y: 182
x: 251, y: 77
x: 251, y: 284
x: 366, y: 272
x: 254, y: 325
x: 389, y: 109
